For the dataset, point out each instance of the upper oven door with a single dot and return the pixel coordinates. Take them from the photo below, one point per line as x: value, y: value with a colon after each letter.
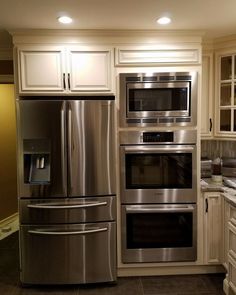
x: 158, y: 99
x: 158, y: 174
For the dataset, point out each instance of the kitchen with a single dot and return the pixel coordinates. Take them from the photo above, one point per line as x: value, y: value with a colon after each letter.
x: 117, y: 53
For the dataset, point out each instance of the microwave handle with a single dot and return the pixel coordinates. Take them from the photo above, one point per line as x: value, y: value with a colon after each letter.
x: 158, y: 149
x: 158, y: 209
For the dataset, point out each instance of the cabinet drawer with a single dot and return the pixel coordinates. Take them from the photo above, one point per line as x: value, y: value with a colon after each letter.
x: 69, y: 210
x: 232, y: 239
x: 232, y: 215
x: 68, y: 254
x: 232, y: 275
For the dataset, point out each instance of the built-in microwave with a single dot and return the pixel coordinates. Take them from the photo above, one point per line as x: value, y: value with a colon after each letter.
x: 158, y: 99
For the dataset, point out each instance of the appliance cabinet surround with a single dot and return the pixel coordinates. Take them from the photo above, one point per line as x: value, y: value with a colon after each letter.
x: 213, y: 243
x: 64, y: 69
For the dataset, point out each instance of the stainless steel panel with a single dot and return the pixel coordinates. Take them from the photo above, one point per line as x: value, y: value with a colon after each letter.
x: 140, y: 77
x: 91, y: 148
x: 164, y: 195
x: 158, y: 254
x: 73, y: 210
x: 136, y: 137
x: 68, y: 254
x: 41, y: 127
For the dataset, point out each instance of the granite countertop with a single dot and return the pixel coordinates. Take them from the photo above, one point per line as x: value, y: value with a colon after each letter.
x: 207, y: 185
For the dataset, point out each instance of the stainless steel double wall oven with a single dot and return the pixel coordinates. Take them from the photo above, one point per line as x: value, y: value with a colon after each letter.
x: 158, y: 184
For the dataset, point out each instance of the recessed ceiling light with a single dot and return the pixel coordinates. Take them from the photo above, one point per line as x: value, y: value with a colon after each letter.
x: 65, y: 19
x: 164, y: 20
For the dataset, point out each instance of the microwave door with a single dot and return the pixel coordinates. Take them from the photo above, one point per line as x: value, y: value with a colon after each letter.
x: 41, y: 149
x: 91, y: 152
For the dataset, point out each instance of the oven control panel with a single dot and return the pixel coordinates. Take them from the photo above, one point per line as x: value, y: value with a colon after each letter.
x: 158, y: 137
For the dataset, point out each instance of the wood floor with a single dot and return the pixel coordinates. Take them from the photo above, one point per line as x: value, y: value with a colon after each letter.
x: 159, y: 285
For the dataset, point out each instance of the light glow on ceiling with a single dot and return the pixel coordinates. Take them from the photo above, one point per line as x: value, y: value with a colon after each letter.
x: 164, y: 20
x: 65, y: 19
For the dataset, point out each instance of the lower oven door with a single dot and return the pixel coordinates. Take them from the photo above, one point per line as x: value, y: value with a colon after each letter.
x: 159, y: 233
x: 68, y: 254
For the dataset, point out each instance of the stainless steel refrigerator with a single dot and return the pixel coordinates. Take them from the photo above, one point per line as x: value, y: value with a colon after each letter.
x: 66, y: 190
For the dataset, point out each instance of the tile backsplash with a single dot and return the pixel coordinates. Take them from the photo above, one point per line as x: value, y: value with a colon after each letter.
x: 216, y: 148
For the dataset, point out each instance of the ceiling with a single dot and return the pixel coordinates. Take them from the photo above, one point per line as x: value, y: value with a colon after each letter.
x: 216, y: 18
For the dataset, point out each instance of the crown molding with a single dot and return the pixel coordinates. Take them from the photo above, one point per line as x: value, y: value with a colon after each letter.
x: 36, y: 36
x: 226, y: 42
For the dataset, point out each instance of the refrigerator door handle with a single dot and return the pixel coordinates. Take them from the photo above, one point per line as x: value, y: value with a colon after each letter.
x: 67, y: 233
x: 63, y: 150
x: 75, y: 206
x: 69, y: 135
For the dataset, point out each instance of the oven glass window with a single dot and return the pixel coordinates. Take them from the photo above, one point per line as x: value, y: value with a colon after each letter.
x: 159, y: 230
x: 157, y: 171
x: 158, y: 99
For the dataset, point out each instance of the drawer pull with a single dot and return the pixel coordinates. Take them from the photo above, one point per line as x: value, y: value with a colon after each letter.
x: 67, y: 233
x: 76, y: 206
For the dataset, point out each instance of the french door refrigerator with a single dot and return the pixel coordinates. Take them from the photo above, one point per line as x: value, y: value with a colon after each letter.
x: 66, y: 190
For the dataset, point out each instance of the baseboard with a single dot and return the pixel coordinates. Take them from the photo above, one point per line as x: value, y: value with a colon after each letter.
x: 9, y: 225
x: 170, y: 270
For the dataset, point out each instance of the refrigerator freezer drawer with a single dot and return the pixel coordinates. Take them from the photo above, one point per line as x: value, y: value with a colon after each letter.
x: 76, y: 210
x: 68, y: 254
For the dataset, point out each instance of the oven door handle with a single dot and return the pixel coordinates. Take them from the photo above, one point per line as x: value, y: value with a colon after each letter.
x: 158, y: 149
x: 158, y: 208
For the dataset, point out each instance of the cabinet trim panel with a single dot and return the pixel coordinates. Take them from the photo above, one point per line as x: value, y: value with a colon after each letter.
x: 125, y: 56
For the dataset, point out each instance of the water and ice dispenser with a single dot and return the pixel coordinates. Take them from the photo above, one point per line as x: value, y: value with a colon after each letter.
x: 37, y: 161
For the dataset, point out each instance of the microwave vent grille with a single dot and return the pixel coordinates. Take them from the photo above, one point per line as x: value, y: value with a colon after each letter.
x: 149, y: 120
x: 183, y: 120
x: 133, y: 79
x: 150, y: 79
x: 166, y: 78
x: 183, y: 78
x: 166, y: 120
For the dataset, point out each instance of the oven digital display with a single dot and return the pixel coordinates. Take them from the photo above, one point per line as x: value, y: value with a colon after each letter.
x: 158, y: 137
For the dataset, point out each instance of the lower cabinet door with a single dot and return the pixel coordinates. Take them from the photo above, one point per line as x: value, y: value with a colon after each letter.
x: 68, y: 254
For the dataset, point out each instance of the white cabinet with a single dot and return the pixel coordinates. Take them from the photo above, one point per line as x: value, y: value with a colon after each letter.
x: 226, y: 217
x: 89, y: 70
x: 231, y: 278
x: 225, y: 110
x: 206, y: 114
x: 41, y: 70
x: 213, y: 242
x: 64, y: 69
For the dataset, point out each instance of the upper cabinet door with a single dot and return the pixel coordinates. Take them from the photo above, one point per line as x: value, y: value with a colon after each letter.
x: 207, y: 96
x: 226, y: 94
x: 41, y: 70
x: 89, y: 70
